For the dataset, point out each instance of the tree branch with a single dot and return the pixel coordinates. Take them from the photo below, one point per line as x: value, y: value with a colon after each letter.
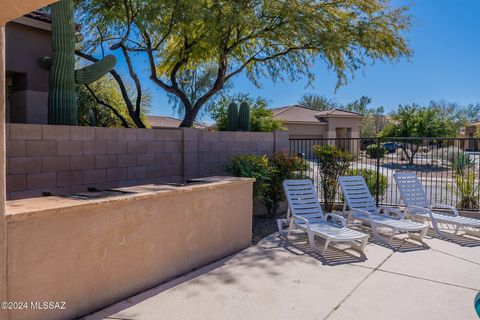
x: 123, y: 89
x: 111, y: 108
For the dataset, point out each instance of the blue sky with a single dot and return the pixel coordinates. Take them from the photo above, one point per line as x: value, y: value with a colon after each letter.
x: 445, y: 38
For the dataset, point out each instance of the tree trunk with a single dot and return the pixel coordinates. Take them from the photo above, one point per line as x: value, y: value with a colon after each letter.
x: 189, y: 118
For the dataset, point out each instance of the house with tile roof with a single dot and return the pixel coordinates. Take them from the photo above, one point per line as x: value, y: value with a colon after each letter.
x: 305, y: 123
x: 162, y: 122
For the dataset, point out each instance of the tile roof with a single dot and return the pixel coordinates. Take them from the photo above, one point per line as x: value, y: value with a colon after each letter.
x: 298, y: 113
x: 40, y: 15
x: 46, y: 17
x: 167, y: 122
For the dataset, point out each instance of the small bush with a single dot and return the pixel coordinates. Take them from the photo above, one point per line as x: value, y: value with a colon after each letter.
x: 462, y: 163
x: 269, y: 175
x: 467, y: 188
x: 332, y: 162
x: 251, y: 166
x: 372, y: 151
x: 370, y: 177
x: 283, y: 166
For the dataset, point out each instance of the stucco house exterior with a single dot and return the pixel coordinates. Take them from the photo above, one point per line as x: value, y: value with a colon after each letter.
x: 27, y: 39
x: 305, y: 123
x: 470, y: 132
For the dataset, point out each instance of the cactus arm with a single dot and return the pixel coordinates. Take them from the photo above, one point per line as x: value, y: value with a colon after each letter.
x: 95, y: 71
x: 45, y: 63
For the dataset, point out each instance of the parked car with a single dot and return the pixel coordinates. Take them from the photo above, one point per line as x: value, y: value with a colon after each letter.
x: 391, y: 146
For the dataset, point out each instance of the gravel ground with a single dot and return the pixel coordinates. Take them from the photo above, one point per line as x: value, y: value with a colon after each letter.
x: 263, y: 227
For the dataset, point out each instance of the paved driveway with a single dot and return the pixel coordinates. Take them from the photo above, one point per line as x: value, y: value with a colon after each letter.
x: 285, y: 280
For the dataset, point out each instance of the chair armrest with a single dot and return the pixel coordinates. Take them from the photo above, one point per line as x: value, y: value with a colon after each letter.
x: 307, y: 223
x: 397, y: 212
x: 336, y: 218
x: 365, y: 212
x: 417, y: 209
x: 446, y: 206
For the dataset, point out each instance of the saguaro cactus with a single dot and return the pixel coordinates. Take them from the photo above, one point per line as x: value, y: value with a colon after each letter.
x: 244, y: 117
x: 232, y: 117
x: 62, y: 107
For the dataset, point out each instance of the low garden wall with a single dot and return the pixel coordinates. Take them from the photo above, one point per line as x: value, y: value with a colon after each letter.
x: 64, y: 159
x: 88, y: 254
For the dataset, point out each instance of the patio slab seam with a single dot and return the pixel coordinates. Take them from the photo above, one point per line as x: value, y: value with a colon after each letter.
x: 357, y: 286
x: 454, y: 256
x: 429, y: 280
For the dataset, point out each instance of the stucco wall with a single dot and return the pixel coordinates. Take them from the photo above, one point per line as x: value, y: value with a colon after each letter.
x: 63, y: 159
x: 29, y: 97
x: 306, y: 131
x: 93, y: 253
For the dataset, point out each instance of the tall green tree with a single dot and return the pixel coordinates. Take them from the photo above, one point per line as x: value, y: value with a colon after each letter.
x: 273, y: 39
x: 317, y: 102
x: 414, y: 121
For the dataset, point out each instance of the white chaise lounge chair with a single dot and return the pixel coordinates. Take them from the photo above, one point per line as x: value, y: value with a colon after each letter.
x: 362, y: 207
x: 418, y: 206
x: 306, y: 213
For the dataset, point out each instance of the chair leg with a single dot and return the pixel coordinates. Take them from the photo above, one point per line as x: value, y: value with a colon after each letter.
x: 280, y: 227
x: 442, y: 234
x: 418, y: 237
x: 360, y: 246
x: 315, y: 248
x: 379, y: 237
x: 290, y: 227
x: 457, y: 229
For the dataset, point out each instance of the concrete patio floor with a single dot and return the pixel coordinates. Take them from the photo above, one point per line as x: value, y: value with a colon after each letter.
x: 277, y: 279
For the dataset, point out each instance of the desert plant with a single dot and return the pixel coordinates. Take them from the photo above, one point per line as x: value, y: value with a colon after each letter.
x: 244, y: 117
x: 370, y: 177
x: 467, y: 188
x: 261, y: 117
x: 332, y: 162
x: 283, y: 166
x: 251, y: 166
x: 62, y: 104
x: 232, y: 117
x: 372, y: 151
x: 462, y: 163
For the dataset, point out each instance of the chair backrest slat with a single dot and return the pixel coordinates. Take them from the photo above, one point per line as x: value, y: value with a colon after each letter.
x: 411, y: 189
x: 356, y: 194
x: 302, y: 198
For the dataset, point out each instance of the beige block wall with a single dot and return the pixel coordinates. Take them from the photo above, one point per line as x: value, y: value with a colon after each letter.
x: 99, y: 252
x: 64, y: 159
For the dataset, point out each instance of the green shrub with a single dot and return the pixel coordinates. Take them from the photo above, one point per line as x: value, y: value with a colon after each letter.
x: 467, y: 188
x: 251, y: 166
x: 462, y: 163
x: 283, y: 166
x: 269, y: 175
x: 370, y: 177
x: 372, y: 151
x: 332, y: 162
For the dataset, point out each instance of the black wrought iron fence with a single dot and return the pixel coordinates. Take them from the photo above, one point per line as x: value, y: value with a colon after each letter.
x: 449, y: 168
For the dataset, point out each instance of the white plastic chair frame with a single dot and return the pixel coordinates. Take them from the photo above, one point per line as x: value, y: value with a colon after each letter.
x: 417, y: 206
x: 362, y: 207
x: 305, y: 212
